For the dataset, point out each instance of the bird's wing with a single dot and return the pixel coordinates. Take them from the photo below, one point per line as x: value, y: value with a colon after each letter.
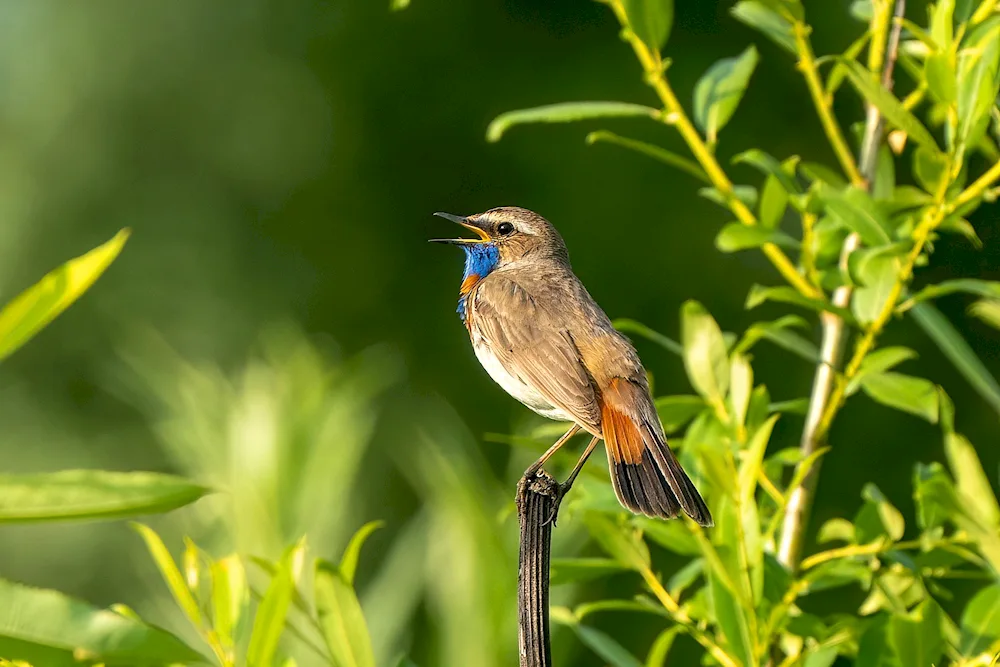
x: 533, y: 344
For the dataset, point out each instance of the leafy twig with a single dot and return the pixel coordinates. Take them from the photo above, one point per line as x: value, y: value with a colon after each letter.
x: 827, y: 393
x: 674, y: 114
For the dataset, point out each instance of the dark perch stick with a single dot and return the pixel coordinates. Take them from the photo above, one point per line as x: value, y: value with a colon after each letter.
x: 537, y: 503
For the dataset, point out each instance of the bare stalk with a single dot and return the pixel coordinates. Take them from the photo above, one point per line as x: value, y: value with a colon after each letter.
x: 821, y: 407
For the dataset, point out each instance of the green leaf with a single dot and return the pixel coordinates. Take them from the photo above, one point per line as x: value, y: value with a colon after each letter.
x: 879, y: 361
x: 939, y: 72
x: 758, y: 15
x: 566, y: 112
x: 229, y: 596
x: 890, y: 519
x: 38, y: 305
x: 957, y: 225
x: 886, y: 102
x: 650, y: 20
x: 986, y: 288
x: 269, y: 623
x: 685, y: 576
x: 621, y: 542
x: 769, y: 166
x: 577, y: 570
x: 91, y: 494
x: 704, y: 352
x: 45, y: 618
x: 719, y: 91
x: 600, y: 643
x: 744, y: 193
x: 930, y: 168
x: 759, y: 294
x: 972, y: 484
x: 676, y: 411
x: 171, y: 574
x: 978, y: 60
x: 671, y: 535
x: 737, y: 236
x: 661, y: 647
x: 663, y: 155
x: 934, y: 495
x: 837, y: 573
x: 836, y: 529
x: 349, y: 561
x: 627, y: 326
x: 910, y: 394
x: 732, y: 621
x: 819, y: 173
x: 341, y: 619
x: 398, y: 5
x: 958, y: 351
x: 873, y: 647
x: 857, y: 211
x: 981, y: 622
x: 878, y: 277
x: 987, y: 310
x: 740, y: 387
x: 778, y: 332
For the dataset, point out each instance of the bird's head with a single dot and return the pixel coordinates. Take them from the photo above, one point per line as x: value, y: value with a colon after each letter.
x: 510, y: 234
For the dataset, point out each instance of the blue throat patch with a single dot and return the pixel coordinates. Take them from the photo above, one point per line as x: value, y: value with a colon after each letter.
x: 480, y: 259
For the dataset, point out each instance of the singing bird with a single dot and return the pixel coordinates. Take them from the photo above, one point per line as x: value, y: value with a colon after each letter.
x: 542, y: 337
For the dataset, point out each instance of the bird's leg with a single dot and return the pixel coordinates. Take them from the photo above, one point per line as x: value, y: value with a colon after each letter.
x: 537, y: 465
x: 565, y: 486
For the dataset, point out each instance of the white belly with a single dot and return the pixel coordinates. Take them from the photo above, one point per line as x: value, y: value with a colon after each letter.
x: 513, y: 386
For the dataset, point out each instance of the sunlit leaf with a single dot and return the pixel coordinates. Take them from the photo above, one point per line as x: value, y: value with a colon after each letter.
x: 269, y: 622
x: 45, y: 618
x: 904, y: 392
x: 987, y: 310
x: 650, y: 20
x: 38, y: 305
x: 877, y: 277
x: 934, y: 495
x: 657, y: 153
x: 566, y: 112
x: 602, y: 644
x: 978, y: 81
x: 981, y: 621
x: 857, y: 211
x: 341, y: 619
x: 740, y: 386
x: 171, y: 574
x: 986, y: 288
x: 671, y: 535
x: 349, y: 561
x: 732, y: 621
x: 661, y: 647
x: 91, y: 494
x: 720, y: 89
x: 836, y: 529
x: 737, y: 236
x: 769, y: 166
x: 884, y: 101
x: 229, y: 596
x: 972, y: 484
x: 879, y: 361
x: 757, y: 14
x: 744, y: 193
x: 704, y: 352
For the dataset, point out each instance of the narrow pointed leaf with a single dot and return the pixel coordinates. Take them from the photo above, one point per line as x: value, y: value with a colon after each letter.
x: 758, y: 15
x: 662, y: 154
x: 269, y: 622
x: 566, y: 112
x: 910, y: 394
x: 759, y: 294
x: 985, y: 288
x: 879, y: 361
x: 958, y: 351
x: 38, y: 305
x: 349, y: 561
x: 91, y: 494
x: 344, y: 627
x: 887, y: 103
x: 627, y: 326
x: 704, y: 352
x: 737, y: 236
x: 171, y: 574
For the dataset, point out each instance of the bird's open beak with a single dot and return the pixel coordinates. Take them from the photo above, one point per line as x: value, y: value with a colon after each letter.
x: 468, y: 224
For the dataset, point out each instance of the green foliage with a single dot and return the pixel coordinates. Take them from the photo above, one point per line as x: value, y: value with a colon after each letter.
x: 738, y: 594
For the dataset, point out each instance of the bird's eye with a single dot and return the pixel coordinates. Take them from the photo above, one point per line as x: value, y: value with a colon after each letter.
x: 505, y: 228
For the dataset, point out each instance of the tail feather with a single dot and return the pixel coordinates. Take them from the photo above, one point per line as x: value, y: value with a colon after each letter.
x: 646, y: 475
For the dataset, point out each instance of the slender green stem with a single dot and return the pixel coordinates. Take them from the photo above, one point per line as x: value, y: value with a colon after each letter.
x: 675, y: 115
x: 824, y: 105
x: 977, y: 189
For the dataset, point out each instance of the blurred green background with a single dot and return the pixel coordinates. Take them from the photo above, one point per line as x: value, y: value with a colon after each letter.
x: 277, y: 325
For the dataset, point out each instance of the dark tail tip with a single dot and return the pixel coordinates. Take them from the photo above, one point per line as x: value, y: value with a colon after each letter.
x: 644, y: 489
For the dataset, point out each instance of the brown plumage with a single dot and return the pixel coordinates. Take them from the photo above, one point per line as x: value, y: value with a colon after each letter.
x: 543, y: 338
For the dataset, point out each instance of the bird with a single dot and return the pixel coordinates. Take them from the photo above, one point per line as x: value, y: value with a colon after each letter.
x: 540, y: 335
